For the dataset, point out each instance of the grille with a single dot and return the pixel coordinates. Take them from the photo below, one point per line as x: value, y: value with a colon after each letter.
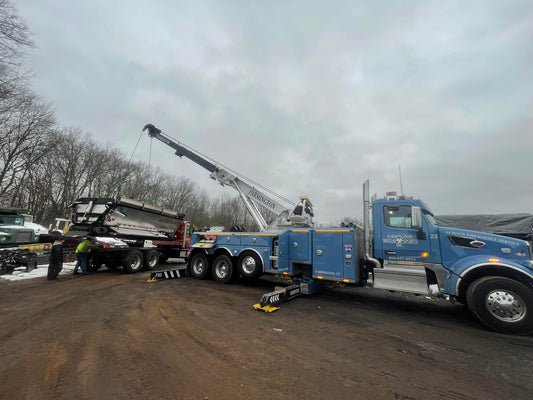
x: 23, y: 237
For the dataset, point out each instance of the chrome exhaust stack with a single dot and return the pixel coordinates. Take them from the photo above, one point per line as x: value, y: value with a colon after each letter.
x: 366, y: 224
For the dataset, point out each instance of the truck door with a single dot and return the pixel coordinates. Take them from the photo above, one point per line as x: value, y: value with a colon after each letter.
x: 399, y: 241
x: 402, y: 248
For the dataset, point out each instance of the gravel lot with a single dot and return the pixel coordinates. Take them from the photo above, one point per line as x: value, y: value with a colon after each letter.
x: 116, y: 336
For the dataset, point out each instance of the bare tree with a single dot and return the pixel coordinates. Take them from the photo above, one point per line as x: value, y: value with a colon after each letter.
x: 26, y: 135
x: 15, y: 38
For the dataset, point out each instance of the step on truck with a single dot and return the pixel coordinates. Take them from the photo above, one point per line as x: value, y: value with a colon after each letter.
x: 129, y: 234
x: 403, y: 250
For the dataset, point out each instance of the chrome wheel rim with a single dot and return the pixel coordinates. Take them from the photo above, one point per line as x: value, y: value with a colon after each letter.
x: 198, y: 267
x: 136, y: 263
x: 505, y: 305
x: 221, y: 270
x: 153, y: 260
x: 248, y: 265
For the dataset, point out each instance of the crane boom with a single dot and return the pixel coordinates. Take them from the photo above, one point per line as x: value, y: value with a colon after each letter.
x: 251, y: 195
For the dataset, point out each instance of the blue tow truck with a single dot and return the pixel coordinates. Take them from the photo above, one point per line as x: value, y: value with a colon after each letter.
x: 400, y: 248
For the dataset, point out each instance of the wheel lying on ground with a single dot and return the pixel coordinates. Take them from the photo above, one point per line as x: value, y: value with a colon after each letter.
x: 151, y: 260
x: 132, y: 262
x: 199, y: 266
x: 250, y: 265
x: 56, y: 262
x: 223, y: 270
x: 503, y: 304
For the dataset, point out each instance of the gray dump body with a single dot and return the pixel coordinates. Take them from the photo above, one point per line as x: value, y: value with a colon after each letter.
x: 123, y: 217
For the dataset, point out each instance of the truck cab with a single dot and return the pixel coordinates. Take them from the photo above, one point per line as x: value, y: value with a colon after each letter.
x: 12, y: 229
x: 493, y: 274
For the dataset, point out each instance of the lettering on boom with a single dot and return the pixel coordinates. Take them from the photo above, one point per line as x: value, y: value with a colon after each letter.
x: 264, y: 200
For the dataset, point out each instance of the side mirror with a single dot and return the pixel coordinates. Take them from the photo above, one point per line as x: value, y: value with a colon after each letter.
x: 416, y: 217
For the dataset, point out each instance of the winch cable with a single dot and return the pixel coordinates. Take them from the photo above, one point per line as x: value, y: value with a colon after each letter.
x: 138, y: 140
x: 150, y: 154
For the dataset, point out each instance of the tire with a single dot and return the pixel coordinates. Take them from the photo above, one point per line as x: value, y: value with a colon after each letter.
x: 250, y: 265
x: 199, y: 266
x: 132, y: 262
x: 56, y: 262
x: 93, y: 263
x: 223, y: 269
x: 503, y: 304
x: 151, y: 260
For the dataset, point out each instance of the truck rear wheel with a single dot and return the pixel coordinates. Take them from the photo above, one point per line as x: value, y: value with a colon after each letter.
x: 133, y: 262
x: 223, y: 269
x: 151, y: 260
x: 199, y: 266
x: 503, y: 304
x: 250, y: 265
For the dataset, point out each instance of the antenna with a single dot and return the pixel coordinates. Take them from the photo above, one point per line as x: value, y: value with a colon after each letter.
x: 401, y: 185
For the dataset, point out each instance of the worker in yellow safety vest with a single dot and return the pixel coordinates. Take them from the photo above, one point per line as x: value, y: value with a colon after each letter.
x: 82, y: 255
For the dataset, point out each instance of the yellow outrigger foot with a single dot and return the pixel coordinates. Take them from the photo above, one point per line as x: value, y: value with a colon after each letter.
x: 151, y: 280
x: 265, y: 308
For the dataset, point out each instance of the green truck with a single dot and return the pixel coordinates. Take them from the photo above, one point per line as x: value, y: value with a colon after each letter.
x: 19, y: 245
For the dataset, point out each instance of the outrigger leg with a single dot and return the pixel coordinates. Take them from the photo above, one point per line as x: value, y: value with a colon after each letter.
x: 301, y: 286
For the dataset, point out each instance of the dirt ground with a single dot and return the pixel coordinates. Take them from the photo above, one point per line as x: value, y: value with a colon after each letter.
x: 115, y: 336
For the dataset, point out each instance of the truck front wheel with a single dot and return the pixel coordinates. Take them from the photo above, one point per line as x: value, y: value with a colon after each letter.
x: 223, y: 269
x: 133, y: 262
x: 503, y: 304
x: 199, y: 266
x: 250, y: 265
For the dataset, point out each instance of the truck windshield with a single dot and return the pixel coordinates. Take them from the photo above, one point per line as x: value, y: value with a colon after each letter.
x: 430, y: 218
x: 11, y: 220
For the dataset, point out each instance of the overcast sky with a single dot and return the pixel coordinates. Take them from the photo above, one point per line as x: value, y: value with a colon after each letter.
x: 306, y: 97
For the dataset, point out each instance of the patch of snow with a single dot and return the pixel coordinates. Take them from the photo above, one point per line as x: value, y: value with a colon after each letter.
x: 39, y: 272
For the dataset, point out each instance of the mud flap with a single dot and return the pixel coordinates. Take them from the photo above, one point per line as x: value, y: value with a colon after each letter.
x: 170, y: 274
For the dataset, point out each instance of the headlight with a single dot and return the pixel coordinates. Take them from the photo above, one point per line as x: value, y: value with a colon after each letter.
x: 3, y: 238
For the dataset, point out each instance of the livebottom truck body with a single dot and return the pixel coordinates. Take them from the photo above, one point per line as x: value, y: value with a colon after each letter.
x: 128, y: 233
x: 406, y: 252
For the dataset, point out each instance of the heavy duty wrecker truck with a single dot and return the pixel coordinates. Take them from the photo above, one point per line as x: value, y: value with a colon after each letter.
x: 128, y: 233
x: 400, y: 248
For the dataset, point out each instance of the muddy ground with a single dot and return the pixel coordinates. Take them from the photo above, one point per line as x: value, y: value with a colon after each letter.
x: 115, y: 336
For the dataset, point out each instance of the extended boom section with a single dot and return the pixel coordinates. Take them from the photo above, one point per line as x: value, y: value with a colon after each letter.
x: 255, y: 197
